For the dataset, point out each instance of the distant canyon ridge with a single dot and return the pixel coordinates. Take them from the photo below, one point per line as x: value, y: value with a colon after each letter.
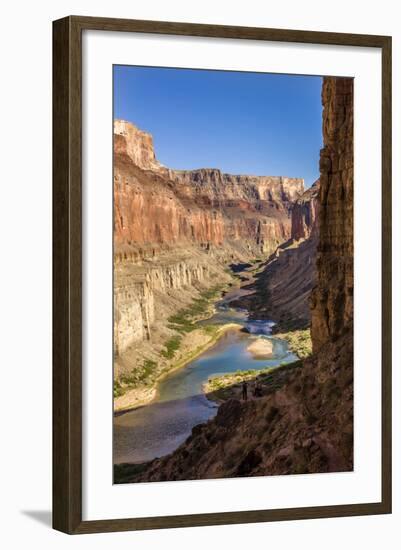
x: 156, y: 205
x: 176, y: 232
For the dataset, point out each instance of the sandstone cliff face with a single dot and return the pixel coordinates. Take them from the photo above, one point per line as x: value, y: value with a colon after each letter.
x: 283, y: 287
x: 306, y: 425
x: 332, y: 299
x: 140, y: 289
x: 156, y: 205
x: 148, y: 212
x: 304, y: 215
x: 220, y: 187
x: 134, y: 312
x: 136, y: 144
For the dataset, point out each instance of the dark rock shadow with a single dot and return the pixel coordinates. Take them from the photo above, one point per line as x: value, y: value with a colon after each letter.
x: 237, y: 268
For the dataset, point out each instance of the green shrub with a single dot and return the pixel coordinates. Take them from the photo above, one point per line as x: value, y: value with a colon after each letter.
x: 171, y: 347
x: 117, y: 389
x: 183, y: 320
x: 210, y: 329
x: 147, y: 370
x: 299, y: 341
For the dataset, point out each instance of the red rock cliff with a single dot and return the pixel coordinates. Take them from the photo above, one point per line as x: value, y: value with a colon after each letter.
x: 283, y: 287
x: 156, y: 205
x: 304, y: 215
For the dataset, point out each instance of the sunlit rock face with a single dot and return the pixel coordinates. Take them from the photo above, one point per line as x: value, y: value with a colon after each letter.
x: 304, y: 215
x: 136, y: 144
x: 156, y: 205
x: 142, y: 292
x: 283, y: 288
x: 217, y: 186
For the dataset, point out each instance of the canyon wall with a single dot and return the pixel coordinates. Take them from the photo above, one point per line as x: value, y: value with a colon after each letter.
x: 156, y: 205
x: 134, y: 313
x: 147, y: 212
x: 304, y: 214
x: 283, y: 287
x: 304, y: 421
x: 141, y: 287
x: 332, y: 299
x: 170, y: 226
x: 136, y: 144
x: 213, y: 184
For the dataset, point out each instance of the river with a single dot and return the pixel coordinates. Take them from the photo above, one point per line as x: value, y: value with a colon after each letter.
x: 159, y: 428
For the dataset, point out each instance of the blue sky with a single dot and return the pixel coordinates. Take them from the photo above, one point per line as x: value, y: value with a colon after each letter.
x: 242, y: 123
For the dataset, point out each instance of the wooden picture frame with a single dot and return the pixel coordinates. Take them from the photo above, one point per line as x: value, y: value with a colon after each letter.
x: 67, y: 273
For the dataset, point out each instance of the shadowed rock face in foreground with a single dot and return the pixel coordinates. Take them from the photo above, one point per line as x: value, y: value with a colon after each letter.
x: 332, y: 298
x: 306, y: 423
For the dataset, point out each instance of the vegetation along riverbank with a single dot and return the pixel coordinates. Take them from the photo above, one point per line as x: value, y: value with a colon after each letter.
x: 187, y: 340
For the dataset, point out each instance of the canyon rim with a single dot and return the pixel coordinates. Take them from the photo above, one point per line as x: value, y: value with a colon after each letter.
x: 233, y: 292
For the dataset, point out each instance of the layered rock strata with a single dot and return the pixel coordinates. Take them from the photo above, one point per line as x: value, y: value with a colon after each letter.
x: 155, y: 205
x: 304, y: 215
x: 283, y: 286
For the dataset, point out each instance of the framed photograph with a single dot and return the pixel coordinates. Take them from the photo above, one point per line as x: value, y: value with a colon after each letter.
x: 222, y: 275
